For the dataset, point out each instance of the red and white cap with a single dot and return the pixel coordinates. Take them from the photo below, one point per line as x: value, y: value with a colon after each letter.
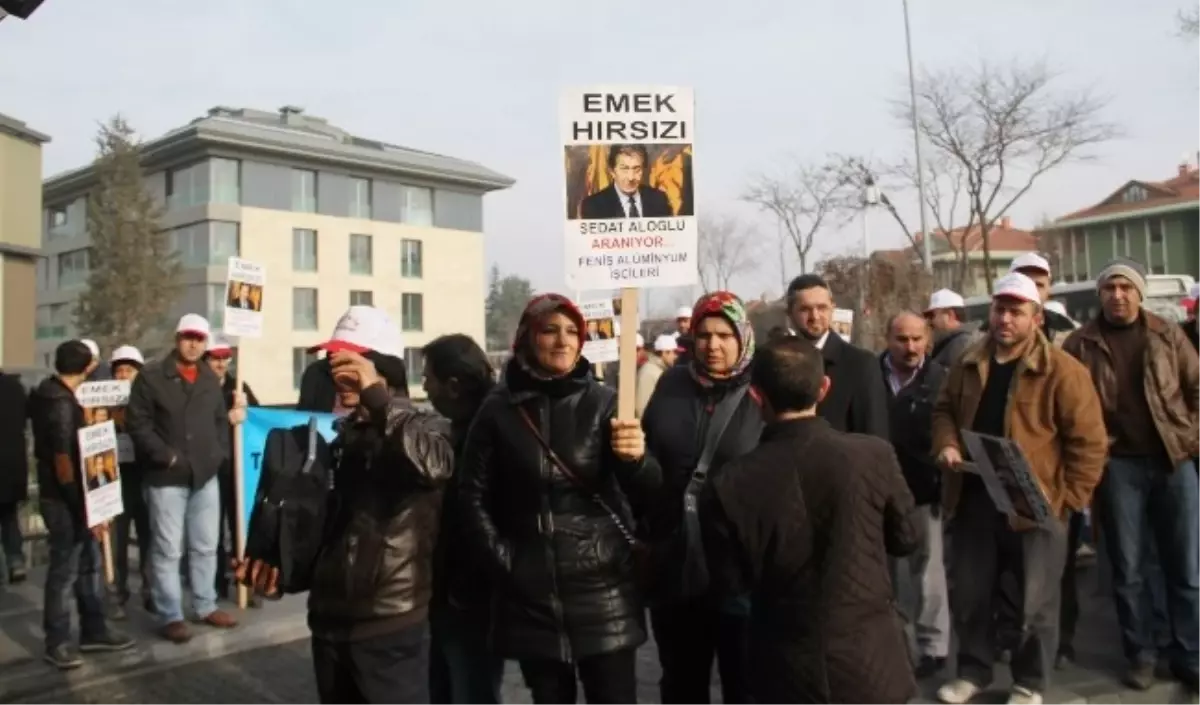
x: 220, y: 346
x: 1015, y: 285
x: 364, y: 328
x: 1030, y: 260
x: 194, y: 324
x: 944, y: 298
x: 683, y: 312
x: 127, y: 353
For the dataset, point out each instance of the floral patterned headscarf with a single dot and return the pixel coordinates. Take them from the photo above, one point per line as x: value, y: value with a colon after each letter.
x: 538, y: 308
x: 730, y: 307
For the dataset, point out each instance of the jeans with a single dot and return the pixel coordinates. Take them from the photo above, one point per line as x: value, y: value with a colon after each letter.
x: 689, y: 635
x: 74, y: 569
x: 12, y: 544
x: 1139, y: 495
x: 461, y: 667
x: 391, y: 668
x: 135, y: 517
x: 174, y: 510
x: 1069, y: 615
x: 226, y: 532
x: 606, y: 678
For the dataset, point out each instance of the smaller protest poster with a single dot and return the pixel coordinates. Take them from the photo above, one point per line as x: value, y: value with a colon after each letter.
x: 244, y: 298
x: 106, y: 401
x: 101, y: 472
x: 843, y: 323
x: 601, y: 341
x: 1009, y: 480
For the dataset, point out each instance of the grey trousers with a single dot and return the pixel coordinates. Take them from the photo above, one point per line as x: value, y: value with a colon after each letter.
x: 923, y: 597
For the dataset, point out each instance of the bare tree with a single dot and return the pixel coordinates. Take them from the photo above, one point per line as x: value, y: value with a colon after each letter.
x: 1188, y: 23
x: 803, y: 201
x: 1004, y: 130
x: 859, y: 172
x: 727, y: 248
x: 893, y: 286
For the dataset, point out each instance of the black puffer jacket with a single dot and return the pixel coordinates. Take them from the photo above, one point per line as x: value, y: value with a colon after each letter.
x: 564, y: 580
x: 57, y: 418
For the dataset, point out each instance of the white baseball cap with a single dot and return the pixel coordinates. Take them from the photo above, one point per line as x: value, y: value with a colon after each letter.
x: 641, y: 342
x: 1057, y: 307
x: 1015, y: 285
x: 944, y: 298
x: 1030, y: 260
x: 364, y: 328
x: 220, y: 345
x: 683, y: 312
x: 91, y: 345
x: 195, y: 324
x: 665, y: 343
x: 127, y: 353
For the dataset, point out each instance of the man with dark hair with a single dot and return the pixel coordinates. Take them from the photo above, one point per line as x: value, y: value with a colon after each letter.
x: 458, y: 377
x: 74, y: 571
x: 628, y: 196
x: 817, y: 577
x: 856, y: 401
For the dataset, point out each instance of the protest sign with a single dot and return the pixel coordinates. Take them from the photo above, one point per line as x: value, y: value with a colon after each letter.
x: 1010, y: 482
x: 106, y: 401
x: 601, y: 342
x: 101, y: 472
x: 630, y: 202
x: 843, y: 323
x: 258, y: 424
x: 244, y: 298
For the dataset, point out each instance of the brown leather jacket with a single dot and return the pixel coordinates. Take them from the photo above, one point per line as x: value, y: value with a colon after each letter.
x: 1053, y: 415
x: 375, y: 570
x: 1172, y: 389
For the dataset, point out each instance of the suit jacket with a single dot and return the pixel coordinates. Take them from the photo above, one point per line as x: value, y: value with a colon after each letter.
x: 605, y: 204
x: 857, y: 399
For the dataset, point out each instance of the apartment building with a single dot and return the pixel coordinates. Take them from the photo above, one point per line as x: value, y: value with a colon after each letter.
x: 20, y: 239
x: 335, y: 218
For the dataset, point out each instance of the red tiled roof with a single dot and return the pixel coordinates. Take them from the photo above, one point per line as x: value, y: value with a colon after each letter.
x: 1184, y: 187
x: 1001, y: 237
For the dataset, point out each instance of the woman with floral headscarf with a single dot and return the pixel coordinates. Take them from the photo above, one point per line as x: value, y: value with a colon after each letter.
x: 544, y: 479
x: 700, y: 417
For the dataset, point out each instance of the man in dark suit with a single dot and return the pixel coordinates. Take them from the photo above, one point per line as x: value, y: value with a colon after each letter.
x: 627, y: 197
x: 857, y: 402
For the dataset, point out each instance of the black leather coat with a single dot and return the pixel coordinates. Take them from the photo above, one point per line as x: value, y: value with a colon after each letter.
x: 564, y: 578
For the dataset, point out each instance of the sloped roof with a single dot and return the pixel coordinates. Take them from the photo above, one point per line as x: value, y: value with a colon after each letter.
x: 1179, y: 190
x: 1002, y: 237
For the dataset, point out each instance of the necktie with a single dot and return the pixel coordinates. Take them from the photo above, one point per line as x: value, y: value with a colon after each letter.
x: 633, y: 209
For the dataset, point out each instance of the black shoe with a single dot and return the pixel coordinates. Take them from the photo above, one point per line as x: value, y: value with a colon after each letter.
x: 64, y: 657
x: 929, y: 666
x: 1189, y: 678
x: 148, y: 603
x: 1139, y: 676
x: 116, y: 612
x: 111, y: 640
x: 1065, y: 658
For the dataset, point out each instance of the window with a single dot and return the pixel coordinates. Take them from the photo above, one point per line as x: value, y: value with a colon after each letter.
x: 72, y: 268
x: 1120, y: 240
x: 57, y: 317
x: 1156, y: 251
x: 301, y: 359
x: 360, y: 198
x: 56, y: 217
x: 43, y: 273
x: 1158, y: 269
x: 304, y: 309
x: 304, y: 250
x: 304, y: 191
x: 186, y: 187
x: 410, y: 258
x: 224, y: 243
x: 226, y: 181
x: 210, y: 243
x: 1134, y: 193
x: 44, y: 325
x: 362, y: 298
x: 1156, y: 231
x: 416, y: 205
x: 412, y: 312
x: 214, y: 304
x: 360, y: 254
x: 414, y: 365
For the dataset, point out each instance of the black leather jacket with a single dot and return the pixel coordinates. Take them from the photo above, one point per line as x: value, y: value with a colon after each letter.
x: 563, y: 574
x: 57, y: 417
x: 374, y: 574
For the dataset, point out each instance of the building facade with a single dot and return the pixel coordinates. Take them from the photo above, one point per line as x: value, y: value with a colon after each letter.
x: 336, y: 219
x: 20, y: 239
x: 959, y: 248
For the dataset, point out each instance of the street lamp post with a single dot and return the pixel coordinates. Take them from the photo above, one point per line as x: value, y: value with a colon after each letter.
x: 870, y: 198
x: 926, y: 247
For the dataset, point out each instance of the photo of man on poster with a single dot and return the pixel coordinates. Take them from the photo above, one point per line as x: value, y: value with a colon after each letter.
x: 628, y: 196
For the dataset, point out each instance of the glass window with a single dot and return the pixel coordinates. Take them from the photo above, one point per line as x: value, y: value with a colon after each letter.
x: 414, y: 365
x: 1120, y: 240
x: 362, y: 298
x: 412, y: 312
x: 56, y: 217
x: 224, y: 241
x: 416, y: 205
x: 360, y: 254
x: 190, y: 244
x: 304, y: 250
x: 360, y: 198
x: 410, y: 258
x: 72, y: 268
x: 226, y: 181
x: 43, y: 273
x: 304, y: 309
x: 186, y: 186
x: 304, y: 191
x: 301, y: 359
x: 1156, y: 231
x: 215, y: 305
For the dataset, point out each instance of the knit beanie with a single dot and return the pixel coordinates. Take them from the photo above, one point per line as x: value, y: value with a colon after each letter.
x: 1128, y: 268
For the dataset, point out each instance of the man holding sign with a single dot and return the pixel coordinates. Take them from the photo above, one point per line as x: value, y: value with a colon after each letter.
x: 74, y: 552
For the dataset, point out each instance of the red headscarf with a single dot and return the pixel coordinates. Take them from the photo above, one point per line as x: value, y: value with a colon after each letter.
x: 536, y: 311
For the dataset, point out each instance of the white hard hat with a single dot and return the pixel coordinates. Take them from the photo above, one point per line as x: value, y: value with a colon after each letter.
x: 127, y: 353
x: 665, y: 343
x: 1030, y: 260
x: 683, y: 312
x: 1017, y: 286
x: 944, y: 298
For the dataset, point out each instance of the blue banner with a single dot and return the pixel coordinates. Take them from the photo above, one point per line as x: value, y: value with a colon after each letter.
x: 259, y: 422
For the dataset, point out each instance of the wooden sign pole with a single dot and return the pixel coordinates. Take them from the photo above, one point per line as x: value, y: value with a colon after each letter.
x: 243, y: 596
x: 107, y: 556
x: 627, y: 391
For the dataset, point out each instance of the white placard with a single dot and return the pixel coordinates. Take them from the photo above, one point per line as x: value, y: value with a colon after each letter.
x: 843, y: 323
x: 601, y: 341
x: 630, y: 200
x: 101, y: 472
x: 244, y: 290
x: 106, y: 401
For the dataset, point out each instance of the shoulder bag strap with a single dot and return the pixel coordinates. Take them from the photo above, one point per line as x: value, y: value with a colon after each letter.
x: 721, y: 417
x: 574, y: 479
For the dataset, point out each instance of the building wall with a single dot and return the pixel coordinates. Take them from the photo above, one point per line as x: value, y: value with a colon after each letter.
x: 1177, y: 251
x: 17, y: 276
x: 20, y: 227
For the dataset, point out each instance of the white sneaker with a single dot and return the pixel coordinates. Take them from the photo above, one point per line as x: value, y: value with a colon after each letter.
x: 1024, y: 696
x: 957, y: 692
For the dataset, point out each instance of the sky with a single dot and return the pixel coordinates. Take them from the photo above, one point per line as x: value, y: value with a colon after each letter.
x: 776, y: 81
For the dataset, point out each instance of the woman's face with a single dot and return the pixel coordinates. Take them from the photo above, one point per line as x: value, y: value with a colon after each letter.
x: 556, y: 344
x: 717, y: 346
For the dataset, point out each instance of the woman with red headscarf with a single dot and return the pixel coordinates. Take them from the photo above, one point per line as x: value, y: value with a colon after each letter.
x: 702, y: 415
x: 543, y: 482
